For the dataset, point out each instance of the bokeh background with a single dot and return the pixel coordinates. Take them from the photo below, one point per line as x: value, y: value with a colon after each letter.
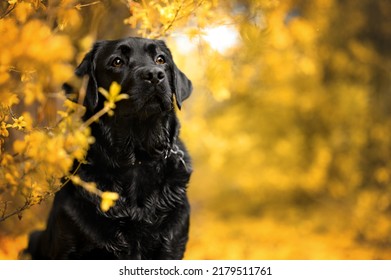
x: 288, y: 125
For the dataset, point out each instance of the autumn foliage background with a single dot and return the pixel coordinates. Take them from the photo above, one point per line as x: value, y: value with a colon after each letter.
x: 288, y: 126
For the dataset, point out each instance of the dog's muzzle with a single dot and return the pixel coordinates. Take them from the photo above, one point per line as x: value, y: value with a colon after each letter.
x: 152, y: 75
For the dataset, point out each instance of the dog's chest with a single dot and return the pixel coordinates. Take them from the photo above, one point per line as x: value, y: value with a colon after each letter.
x: 140, y: 181
x: 135, y: 240
x: 147, y: 193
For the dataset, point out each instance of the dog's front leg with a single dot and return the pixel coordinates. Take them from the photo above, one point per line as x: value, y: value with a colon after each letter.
x: 175, y: 238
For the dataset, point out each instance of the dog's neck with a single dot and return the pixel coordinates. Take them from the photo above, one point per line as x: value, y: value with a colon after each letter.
x: 130, y: 141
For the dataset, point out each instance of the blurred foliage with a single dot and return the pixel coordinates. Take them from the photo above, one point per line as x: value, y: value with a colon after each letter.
x: 35, y: 60
x: 288, y: 126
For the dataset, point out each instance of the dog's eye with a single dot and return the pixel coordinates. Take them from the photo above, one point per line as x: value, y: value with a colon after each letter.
x: 117, y: 62
x: 160, y: 60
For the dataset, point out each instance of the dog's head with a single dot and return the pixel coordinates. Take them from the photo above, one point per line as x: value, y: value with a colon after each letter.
x: 145, y: 70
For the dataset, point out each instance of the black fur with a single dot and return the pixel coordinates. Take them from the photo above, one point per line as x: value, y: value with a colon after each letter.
x: 136, y: 153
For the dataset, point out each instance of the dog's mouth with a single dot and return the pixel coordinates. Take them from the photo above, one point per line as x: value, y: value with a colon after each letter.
x: 155, y: 106
x: 145, y: 106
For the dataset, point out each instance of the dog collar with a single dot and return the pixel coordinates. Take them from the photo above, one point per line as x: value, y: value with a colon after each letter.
x: 174, y: 150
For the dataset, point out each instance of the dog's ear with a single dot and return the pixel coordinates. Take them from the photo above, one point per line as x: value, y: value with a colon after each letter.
x: 87, y: 67
x: 182, y: 86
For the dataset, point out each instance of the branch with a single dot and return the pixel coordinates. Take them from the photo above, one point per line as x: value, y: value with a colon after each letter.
x: 80, y: 6
x: 4, y: 209
x: 174, y: 19
x: 27, y: 204
x: 8, y: 11
x: 18, y: 211
x: 95, y: 117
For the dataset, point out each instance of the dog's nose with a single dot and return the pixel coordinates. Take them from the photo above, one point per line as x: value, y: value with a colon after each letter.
x: 153, y: 75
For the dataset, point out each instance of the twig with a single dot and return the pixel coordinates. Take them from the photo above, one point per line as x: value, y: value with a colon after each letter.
x: 174, y: 19
x: 8, y: 11
x: 5, y: 208
x: 95, y: 117
x: 80, y: 6
x: 28, y: 204
x: 83, y: 90
x: 16, y: 212
x: 70, y: 177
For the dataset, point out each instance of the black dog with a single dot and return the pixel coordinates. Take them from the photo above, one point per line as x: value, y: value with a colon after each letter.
x: 136, y: 153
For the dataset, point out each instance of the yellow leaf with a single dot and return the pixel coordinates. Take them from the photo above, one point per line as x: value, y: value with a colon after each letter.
x: 23, y: 11
x: 19, y: 123
x: 3, y: 129
x: 19, y: 146
x: 115, y: 89
x: 108, y: 200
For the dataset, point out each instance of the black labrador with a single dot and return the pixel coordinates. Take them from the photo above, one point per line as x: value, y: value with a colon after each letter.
x: 136, y: 153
